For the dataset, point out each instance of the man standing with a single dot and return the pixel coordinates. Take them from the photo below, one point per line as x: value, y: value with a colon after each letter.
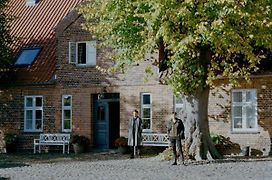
x: 135, y: 133
x: 175, y: 130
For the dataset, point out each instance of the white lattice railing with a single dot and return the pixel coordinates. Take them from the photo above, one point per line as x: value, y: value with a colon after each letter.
x: 155, y: 139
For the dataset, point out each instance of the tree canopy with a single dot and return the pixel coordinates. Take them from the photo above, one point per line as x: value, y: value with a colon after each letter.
x: 5, y: 38
x: 203, y: 39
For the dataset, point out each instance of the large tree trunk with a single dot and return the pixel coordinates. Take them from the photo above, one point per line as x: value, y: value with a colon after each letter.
x: 198, y: 144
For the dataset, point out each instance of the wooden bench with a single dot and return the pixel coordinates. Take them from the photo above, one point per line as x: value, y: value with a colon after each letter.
x: 52, y: 140
x: 155, y: 139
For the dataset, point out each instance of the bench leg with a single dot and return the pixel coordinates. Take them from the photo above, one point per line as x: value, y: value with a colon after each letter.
x: 68, y: 149
x: 39, y: 148
x: 34, y: 149
x: 63, y: 149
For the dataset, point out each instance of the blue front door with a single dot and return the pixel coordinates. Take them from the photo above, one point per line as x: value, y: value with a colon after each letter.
x: 101, y: 125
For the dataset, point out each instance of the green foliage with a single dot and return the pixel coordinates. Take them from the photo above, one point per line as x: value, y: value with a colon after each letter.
x: 10, y: 137
x: 5, y: 38
x: 206, y: 39
x: 217, y: 139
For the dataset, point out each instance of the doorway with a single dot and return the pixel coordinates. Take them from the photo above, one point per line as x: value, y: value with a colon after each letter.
x: 106, y: 123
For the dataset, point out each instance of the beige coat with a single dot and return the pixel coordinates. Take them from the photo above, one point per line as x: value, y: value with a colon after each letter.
x: 138, y: 132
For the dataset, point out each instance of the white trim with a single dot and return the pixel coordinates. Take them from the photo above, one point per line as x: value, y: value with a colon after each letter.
x: 33, y: 109
x: 72, y: 44
x: 243, y: 104
x: 90, y: 53
x: 62, y: 113
x: 143, y: 106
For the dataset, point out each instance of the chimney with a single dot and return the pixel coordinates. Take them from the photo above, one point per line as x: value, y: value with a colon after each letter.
x: 31, y: 3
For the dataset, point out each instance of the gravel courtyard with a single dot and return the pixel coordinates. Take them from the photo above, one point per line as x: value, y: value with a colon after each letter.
x: 144, y: 168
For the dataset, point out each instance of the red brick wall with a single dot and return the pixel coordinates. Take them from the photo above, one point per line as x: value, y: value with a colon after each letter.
x: 84, y: 81
x: 12, y: 111
x: 220, y: 114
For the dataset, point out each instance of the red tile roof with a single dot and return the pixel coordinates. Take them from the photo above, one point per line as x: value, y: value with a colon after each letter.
x: 34, y: 27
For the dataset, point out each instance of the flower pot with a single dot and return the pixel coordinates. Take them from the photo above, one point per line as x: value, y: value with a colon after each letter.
x: 11, y: 148
x: 78, y: 148
x: 123, y: 149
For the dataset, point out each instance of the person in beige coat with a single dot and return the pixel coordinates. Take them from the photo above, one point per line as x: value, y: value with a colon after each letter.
x: 135, y: 133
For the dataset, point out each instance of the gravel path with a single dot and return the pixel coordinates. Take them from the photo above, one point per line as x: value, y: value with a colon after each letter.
x: 144, y: 168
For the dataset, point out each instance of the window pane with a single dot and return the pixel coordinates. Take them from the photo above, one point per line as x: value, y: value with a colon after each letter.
x: 72, y: 50
x: 178, y: 111
x: 249, y: 96
x: 67, y: 124
x: 38, y: 119
x: 67, y: 101
x: 38, y: 124
x: 38, y: 102
x: 28, y: 124
x: 67, y: 114
x: 237, y: 111
x: 146, y: 113
x: 29, y: 114
x: 237, y: 96
x: 29, y: 102
x: 38, y: 114
x: 27, y: 56
x: 81, y: 53
x: 101, y: 113
x: 250, y: 117
x: 179, y: 99
x: 146, y: 123
x: 29, y: 119
x: 146, y: 99
x: 237, y: 122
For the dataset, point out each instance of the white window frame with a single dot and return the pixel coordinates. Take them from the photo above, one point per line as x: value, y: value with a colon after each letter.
x: 144, y: 106
x: 90, y: 53
x: 33, y: 109
x: 62, y: 114
x: 244, y: 104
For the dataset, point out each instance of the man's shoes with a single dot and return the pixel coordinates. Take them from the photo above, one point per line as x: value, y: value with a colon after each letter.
x: 174, y: 163
x: 131, y: 157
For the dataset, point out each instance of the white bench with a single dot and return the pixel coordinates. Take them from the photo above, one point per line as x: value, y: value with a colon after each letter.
x: 155, y: 139
x: 52, y: 139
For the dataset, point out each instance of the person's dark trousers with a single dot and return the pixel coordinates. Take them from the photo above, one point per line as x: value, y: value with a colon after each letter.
x: 176, y: 143
x: 132, y: 151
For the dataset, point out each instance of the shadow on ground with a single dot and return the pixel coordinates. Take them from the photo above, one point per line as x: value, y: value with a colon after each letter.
x: 11, y: 165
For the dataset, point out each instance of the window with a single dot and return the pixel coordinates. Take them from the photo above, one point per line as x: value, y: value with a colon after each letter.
x: 82, y: 53
x: 179, y: 104
x: 244, y: 111
x: 146, y: 111
x: 66, y: 113
x: 27, y: 56
x: 33, y: 118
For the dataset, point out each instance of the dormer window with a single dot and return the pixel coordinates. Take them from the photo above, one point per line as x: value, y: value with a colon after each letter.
x: 27, y: 56
x: 31, y: 3
x: 82, y: 53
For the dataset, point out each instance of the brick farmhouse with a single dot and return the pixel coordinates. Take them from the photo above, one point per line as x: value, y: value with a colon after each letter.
x: 59, y: 85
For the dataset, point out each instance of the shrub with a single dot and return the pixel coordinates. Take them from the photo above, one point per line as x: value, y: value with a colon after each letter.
x: 80, y: 140
x: 10, y: 138
x: 217, y: 139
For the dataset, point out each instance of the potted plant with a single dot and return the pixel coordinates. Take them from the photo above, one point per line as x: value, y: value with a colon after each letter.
x: 80, y: 143
x: 122, y: 144
x: 10, y: 139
